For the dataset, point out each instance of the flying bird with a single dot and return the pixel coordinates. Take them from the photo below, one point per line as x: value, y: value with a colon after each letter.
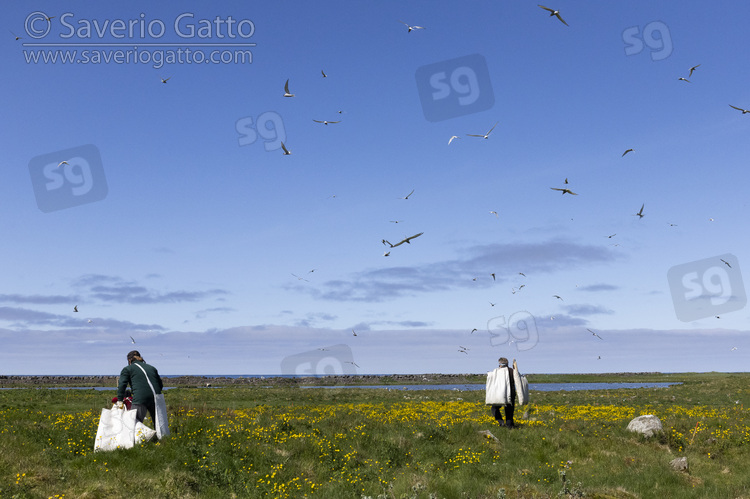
x: 75, y: 309
x: 410, y: 27
x: 407, y: 196
x: 49, y: 19
x: 326, y: 122
x: 90, y: 321
x: 472, y: 331
x: 395, y: 221
x: 351, y: 362
x: 486, y: 135
x: 287, y: 152
x: 521, y: 273
x: 62, y: 163
x: 610, y: 237
x: 387, y: 253
x: 640, y: 213
x: 323, y: 73
x: 590, y: 331
x: 286, y: 90
x: 300, y: 278
x: 744, y: 111
x: 17, y: 37
x: 353, y: 333
x: 494, y: 213
x: 725, y: 262
x: 493, y: 276
x: 629, y: 150
x: 406, y: 240
x: 564, y: 191
x: 492, y: 304
x: 557, y: 296
x: 683, y: 79
x: 554, y: 12
x: 132, y: 340
x: 693, y: 69
x: 453, y: 137
x: 164, y: 80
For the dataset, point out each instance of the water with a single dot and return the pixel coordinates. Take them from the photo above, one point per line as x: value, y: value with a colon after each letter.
x: 542, y: 387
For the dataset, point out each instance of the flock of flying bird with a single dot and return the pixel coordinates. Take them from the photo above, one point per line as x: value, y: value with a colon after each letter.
x: 563, y: 190
x: 407, y: 240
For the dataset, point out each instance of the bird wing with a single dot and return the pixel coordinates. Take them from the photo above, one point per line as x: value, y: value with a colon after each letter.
x: 546, y: 8
x: 561, y: 19
x: 738, y: 108
x: 318, y: 121
x: 493, y: 127
x: 407, y: 196
x: 286, y: 86
x: 473, y: 135
x: 557, y: 189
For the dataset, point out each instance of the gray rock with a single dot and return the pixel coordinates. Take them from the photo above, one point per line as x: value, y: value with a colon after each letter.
x: 679, y: 464
x: 488, y: 434
x: 645, y: 425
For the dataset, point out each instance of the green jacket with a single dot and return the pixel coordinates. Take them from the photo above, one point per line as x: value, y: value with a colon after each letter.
x: 133, y: 376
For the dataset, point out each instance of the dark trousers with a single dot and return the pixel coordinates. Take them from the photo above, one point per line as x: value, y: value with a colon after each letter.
x: 508, y: 414
x: 142, y: 409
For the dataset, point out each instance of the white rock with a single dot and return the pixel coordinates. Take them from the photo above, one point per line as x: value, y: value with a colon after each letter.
x: 645, y: 425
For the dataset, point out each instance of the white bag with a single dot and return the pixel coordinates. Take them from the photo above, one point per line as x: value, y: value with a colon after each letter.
x: 521, y: 384
x: 161, y: 422
x: 119, y: 430
x: 497, y: 390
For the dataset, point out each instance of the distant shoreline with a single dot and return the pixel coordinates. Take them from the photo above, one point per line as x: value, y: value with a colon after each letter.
x: 188, y: 381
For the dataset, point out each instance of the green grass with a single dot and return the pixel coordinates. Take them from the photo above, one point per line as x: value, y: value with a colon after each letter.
x: 355, y: 443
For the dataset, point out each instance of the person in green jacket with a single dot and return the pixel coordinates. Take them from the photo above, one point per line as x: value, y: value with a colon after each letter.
x: 143, y: 395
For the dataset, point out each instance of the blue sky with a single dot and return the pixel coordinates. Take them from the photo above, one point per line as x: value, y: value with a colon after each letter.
x: 192, y: 234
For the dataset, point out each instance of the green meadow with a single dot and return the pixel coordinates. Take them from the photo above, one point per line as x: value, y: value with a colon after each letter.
x: 287, y: 441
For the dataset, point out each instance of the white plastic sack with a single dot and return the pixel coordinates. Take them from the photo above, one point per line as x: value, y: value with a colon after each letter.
x: 522, y: 389
x: 118, y: 429
x: 161, y: 423
x: 497, y: 390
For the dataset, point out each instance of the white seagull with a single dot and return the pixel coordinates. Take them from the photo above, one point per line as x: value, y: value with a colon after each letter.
x: 590, y: 331
x: 326, y: 122
x: 164, y: 80
x: 407, y: 196
x: 405, y: 240
x: 286, y: 90
x: 451, y: 139
x: 640, y: 213
x: 410, y: 27
x: 744, y: 111
x: 486, y: 135
x: 287, y: 152
x: 693, y: 69
x: 62, y: 163
x: 554, y: 12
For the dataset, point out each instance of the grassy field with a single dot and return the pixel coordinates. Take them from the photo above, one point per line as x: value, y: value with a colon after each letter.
x: 360, y: 443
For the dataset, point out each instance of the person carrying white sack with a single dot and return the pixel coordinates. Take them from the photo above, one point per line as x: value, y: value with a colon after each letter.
x: 147, y: 386
x: 504, y: 384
